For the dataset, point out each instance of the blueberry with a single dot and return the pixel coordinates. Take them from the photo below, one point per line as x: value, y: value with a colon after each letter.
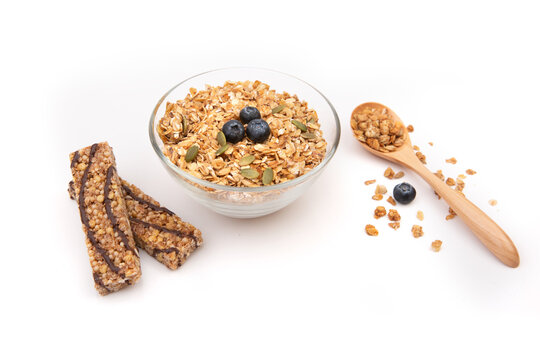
x: 233, y: 130
x: 404, y: 193
x: 258, y: 130
x: 249, y: 113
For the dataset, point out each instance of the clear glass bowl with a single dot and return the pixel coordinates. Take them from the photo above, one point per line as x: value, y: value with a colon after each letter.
x: 244, y: 202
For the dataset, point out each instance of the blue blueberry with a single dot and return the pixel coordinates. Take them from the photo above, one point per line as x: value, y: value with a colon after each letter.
x: 404, y: 193
x: 258, y: 130
x: 233, y: 130
x: 249, y: 113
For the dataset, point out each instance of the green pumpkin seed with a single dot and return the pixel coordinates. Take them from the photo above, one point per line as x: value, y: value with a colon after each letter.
x: 222, y: 141
x: 222, y: 149
x: 278, y: 109
x: 299, y: 125
x: 308, y: 135
x: 191, y: 153
x: 246, y: 160
x: 249, y: 173
x: 184, y: 126
x: 268, y: 176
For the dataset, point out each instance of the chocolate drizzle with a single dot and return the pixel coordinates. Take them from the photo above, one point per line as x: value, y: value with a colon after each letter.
x: 84, y: 217
x: 147, y: 203
x: 164, y: 229
x: 110, y: 215
x: 98, y: 281
x: 76, y: 157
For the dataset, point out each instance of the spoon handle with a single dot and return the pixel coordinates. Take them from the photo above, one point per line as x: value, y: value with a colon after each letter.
x: 489, y: 233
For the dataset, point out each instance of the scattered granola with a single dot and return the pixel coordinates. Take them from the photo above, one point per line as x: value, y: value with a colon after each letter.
x: 369, y: 182
x: 436, y: 245
x: 393, y: 215
x: 452, y: 214
x: 377, y: 197
x: 417, y: 231
x: 420, y: 215
x: 380, y: 189
x: 394, y: 225
x: 378, y: 129
x: 199, y: 117
x: 391, y: 200
x: 421, y: 157
x: 492, y: 202
x: 439, y: 174
x: 410, y: 128
x: 371, y: 230
x: 416, y: 148
x: 450, y: 181
x: 462, y: 176
x: 399, y: 175
x: 470, y: 172
x: 430, y: 143
x: 389, y: 173
x: 460, y: 185
x: 379, y: 212
x: 452, y: 160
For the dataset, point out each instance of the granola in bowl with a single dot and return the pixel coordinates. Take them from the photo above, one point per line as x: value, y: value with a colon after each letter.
x: 192, y: 133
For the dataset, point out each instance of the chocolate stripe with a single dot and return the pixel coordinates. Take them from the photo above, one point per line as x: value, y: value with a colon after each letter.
x: 110, y: 215
x: 147, y: 203
x: 98, y: 281
x: 75, y: 159
x: 84, y: 218
x: 164, y: 229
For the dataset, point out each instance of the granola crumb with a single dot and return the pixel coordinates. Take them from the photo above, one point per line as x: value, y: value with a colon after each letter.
x: 417, y: 231
x: 452, y: 160
x: 438, y: 196
x: 450, y: 181
x: 391, y: 200
x: 371, y: 230
x: 452, y: 214
x: 379, y: 212
x: 380, y: 189
x: 410, y: 128
x: 492, y: 202
x: 462, y: 176
x: 460, y: 185
x: 421, y: 157
x: 394, y: 225
x: 393, y: 215
x: 369, y: 182
x: 416, y: 148
x: 436, y: 245
x: 420, y: 215
x: 377, y: 197
x: 399, y: 175
x: 470, y: 172
x: 439, y: 174
x: 430, y: 143
x: 450, y: 217
x: 389, y: 173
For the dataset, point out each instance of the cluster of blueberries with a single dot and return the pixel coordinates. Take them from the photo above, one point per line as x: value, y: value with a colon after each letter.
x: 257, y: 130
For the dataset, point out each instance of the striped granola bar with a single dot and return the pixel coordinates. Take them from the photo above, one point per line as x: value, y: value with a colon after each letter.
x: 96, y: 186
x: 156, y: 229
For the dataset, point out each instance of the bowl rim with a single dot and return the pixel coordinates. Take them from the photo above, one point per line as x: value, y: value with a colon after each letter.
x: 329, y: 155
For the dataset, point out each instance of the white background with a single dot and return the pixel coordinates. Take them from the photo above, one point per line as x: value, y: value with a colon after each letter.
x: 305, y: 282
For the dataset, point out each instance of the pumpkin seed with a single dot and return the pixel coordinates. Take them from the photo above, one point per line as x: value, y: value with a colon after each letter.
x: 191, y: 153
x: 308, y: 135
x: 249, y: 173
x: 222, y: 149
x: 278, y: 109
x: 268, y: 176
x: 184, y: 125
x: 222, y: 141
x: 299, y: 125
x: 246, y: 160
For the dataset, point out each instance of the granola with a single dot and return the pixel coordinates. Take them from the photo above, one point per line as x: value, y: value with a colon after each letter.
x: 380, y: 189
x: 379, y: 212
x: 399, y: 175
x: 378, y: 129
x: 420, y: 215
x: 389, y: 173
x: 436, y: 245
x: 492, y: 202
x: 295, y: 146
x: 369, y: 182
x: 393, y: 215
x: 470, y: 172
x: 371, y: 230
x: 452, y: 160
x: 391, y: 200
x: 394, y: 225
x: 417, y: 231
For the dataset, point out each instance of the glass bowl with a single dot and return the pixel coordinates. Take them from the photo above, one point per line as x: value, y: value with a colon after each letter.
x: 247, y: 202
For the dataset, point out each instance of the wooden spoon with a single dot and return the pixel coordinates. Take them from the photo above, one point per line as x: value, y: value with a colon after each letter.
x: 489, y: 233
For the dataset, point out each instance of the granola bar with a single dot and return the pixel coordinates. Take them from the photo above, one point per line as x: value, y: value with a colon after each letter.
x: 114, y: 257
x: 157, y: 230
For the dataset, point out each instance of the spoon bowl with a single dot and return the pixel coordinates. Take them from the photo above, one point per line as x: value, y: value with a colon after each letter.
x: 485, y: 229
